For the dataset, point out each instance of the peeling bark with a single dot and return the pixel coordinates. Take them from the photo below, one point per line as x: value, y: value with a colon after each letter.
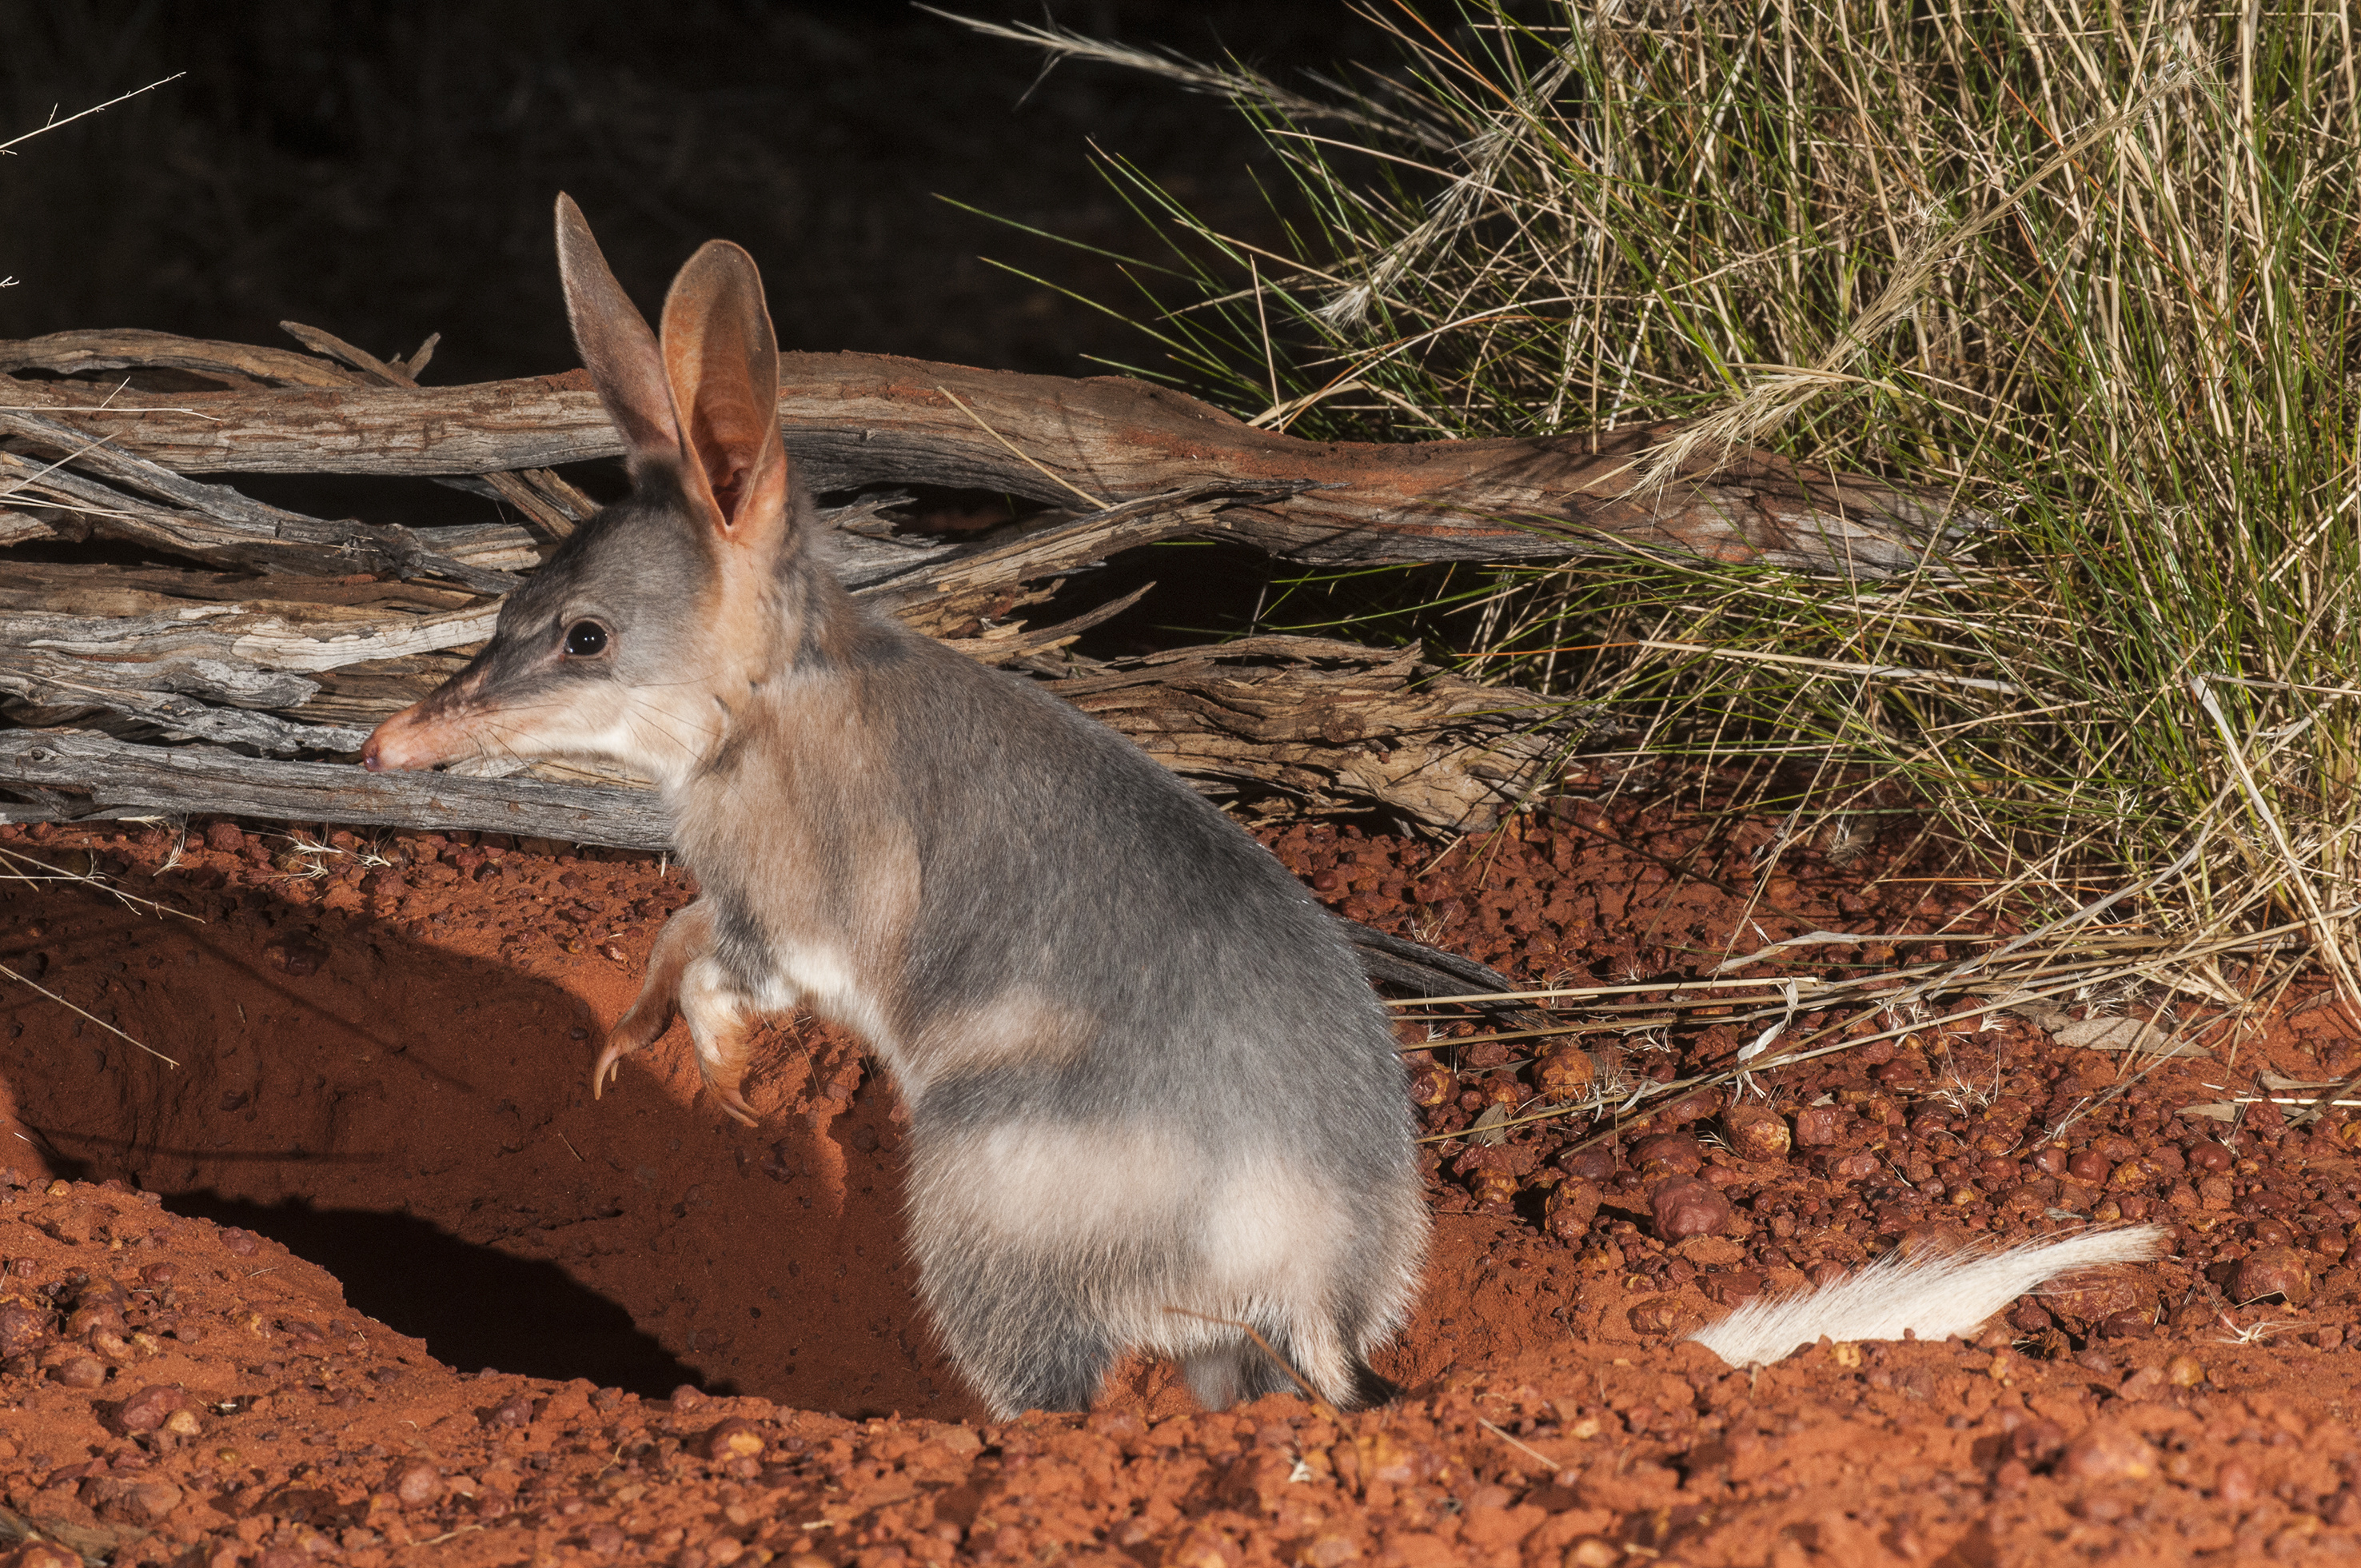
x: 853, y: 419
x: 352, y: 619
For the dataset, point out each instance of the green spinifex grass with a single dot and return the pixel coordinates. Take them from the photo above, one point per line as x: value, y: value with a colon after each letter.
x: 2082, y: 269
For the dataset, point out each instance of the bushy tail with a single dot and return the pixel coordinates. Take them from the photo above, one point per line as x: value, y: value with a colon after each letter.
x: 1934, y: 1297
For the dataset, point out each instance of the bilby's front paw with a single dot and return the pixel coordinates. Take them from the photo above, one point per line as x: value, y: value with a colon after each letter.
x: 602, y: 1073
x: 724, y: 1075
x: 732, y: 1101
x: 684, y: 940
x: 648, y: 1019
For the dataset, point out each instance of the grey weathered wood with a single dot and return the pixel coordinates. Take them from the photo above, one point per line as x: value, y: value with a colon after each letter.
x: 853, y: 419
x: 229, y: 638
x: 163, y: 662
x: 942, y: 587
x: 1063, y: 545
x: 83, y: 503
x: 174, y: 700
x: 179, y: 781
x: 1335, y: 724
x: 555, y: 521
x: 498, y: 550
x: 94, y: 451
x: 61, y: 504
x: 239, y: 654
x: 69, y: 672
x: 211, y: 522
x: 113, y: 588
x: 131, y: 349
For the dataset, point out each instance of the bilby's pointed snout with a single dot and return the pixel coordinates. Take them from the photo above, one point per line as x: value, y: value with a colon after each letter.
x: 420, y: 736
x: 384, y: 748
x: 437, y: 728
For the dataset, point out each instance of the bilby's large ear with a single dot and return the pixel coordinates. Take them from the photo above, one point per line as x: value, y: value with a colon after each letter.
x: 617, y: 348
x: 723, y: 362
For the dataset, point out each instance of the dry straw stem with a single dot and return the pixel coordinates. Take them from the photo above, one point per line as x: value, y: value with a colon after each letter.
x: 52, y: 123
x: 1236, y: 82
x: 32, y: 985
x: 1030, y: 462
x: 2317, y: 914
x: 1771, y: 401
x: 1262, y: 1345
x: 25, y: 869
x: 1536, y: 1455
x: 1484, y: 155
x: 15, y: 867
x: 7, y: 148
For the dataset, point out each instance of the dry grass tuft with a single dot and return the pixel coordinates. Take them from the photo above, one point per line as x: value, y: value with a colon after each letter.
x: 2086, y: 273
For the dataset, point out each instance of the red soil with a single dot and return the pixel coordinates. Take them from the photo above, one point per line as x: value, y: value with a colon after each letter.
x: 376, y: 1165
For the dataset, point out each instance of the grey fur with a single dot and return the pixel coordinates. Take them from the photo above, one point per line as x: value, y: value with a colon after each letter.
x: 1143, y: 1068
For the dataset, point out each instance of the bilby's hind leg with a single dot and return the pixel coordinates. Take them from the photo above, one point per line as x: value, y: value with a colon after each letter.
x: 1240, y: 1371
x: 1370, y: 1387
x: 1017, y: 1336
x: 1218, y: 1377
x: 1310, y: 1361
x: 686, y: 936
x: 1064, y: 1371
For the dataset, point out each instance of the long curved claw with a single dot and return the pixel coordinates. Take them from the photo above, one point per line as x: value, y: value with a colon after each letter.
x: 609, y: 1061
x: 724, y: 1078
x: 735, y: 1103
x: 650, y: 1016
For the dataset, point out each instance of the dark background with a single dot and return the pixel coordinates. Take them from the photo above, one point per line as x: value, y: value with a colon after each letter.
x: 385, y: 170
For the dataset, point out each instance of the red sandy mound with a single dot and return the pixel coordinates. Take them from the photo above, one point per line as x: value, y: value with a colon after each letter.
x: 383, y: 1073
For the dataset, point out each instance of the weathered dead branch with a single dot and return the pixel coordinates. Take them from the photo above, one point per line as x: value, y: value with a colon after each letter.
x: 857, y: 419
x: 1333, y: 724
x: 137, y: 644
x: 83, y: 774
x: 211, y: 523
x: 349, y: 621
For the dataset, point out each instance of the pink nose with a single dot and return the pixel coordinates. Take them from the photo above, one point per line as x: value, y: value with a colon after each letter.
x: 394, y: 745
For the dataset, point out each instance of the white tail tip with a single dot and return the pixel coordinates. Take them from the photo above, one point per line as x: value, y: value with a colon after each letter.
x: 1933, y: 1298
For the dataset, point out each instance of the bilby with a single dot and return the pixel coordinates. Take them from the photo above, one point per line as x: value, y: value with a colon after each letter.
x: 1151, y: 1096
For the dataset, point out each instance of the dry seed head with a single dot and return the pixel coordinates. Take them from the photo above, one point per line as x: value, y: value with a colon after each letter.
x: 1844, y: 841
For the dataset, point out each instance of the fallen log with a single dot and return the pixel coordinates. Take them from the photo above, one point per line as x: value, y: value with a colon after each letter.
x: 350, y: 620
x: 140, y: 641
x: 1331, y: 725
x: 853, y: 419
x: 1337, y: 725
x: 106, y: 777
x: 155, y: 507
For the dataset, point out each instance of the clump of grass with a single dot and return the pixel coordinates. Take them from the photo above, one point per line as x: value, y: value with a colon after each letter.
x: 2083, y: 273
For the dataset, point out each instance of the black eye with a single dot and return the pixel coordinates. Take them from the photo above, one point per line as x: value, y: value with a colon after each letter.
x: 585, y: 639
